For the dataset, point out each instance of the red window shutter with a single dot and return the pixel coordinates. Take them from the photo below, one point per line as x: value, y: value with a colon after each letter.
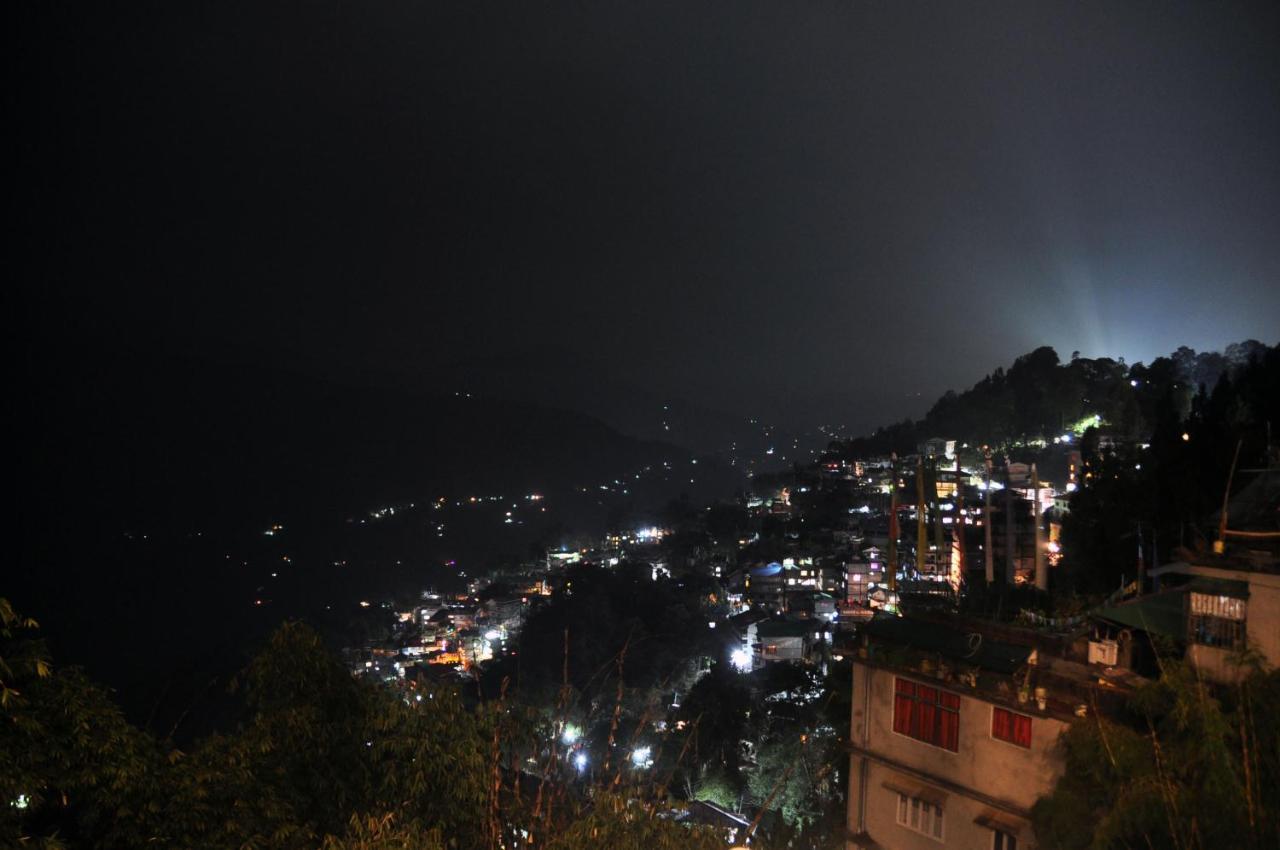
x: 1011, y: 727
x: 950, y: 739
x: 902, y: 715
x: 1022, y: 730
x: 1000, y: 722
x: 926, y: 728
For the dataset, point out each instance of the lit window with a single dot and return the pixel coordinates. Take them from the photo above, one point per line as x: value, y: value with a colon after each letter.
x: 1011, y: 727
x: 1217, y: 621
x: 926, y: 714
x: 920, y: 816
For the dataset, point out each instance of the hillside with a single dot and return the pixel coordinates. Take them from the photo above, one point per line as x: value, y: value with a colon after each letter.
x: 1040, y: 396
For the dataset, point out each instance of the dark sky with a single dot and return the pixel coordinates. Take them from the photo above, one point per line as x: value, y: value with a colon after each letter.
x: 794, y: 204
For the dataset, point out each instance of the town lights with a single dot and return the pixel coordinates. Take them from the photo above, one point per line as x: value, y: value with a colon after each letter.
x: 580, y: 761
x: 741, y: 659
x: 642, y: 757
x: 570, y: 734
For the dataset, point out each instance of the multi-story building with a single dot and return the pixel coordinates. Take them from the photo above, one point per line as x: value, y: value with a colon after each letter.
x: 765, y: 586
x: 778, y: 640
x: 953, y: 735
x: 1215, y: 606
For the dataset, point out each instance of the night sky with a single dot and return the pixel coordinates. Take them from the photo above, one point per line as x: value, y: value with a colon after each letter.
x: 807, y: 206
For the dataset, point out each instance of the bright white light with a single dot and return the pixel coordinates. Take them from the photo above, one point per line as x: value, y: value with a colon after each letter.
x: 492, y: 634
x: 711, y: 624
x: 570, y: 733
x: 642, y: 757
x: 580, y: 761
x: 23, y: 801
x: 741, y: 659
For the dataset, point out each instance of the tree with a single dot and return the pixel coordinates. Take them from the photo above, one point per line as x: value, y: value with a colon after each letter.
x: 1191, y: 768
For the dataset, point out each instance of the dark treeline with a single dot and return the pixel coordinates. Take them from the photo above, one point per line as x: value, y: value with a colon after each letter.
x: 1040, y: 396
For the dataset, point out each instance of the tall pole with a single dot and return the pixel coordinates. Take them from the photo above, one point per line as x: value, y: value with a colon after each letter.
x: 893, y: 522
x: 1011, y: 563
x: 959, y: 521
x: 989, y: 550
x: 1042, y: 570
x: 941, y: 555
x: 1142, y: 567
x: 922, y: 528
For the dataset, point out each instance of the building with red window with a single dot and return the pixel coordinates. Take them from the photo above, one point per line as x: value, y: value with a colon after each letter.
x: 953, y: 733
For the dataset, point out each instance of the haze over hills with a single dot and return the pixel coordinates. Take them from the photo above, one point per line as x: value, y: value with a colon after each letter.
x: 181, y: 440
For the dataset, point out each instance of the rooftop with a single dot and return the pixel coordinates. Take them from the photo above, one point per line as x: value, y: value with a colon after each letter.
x: 969, y: 661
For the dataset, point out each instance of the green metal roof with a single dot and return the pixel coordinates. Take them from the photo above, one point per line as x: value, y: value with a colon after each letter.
x: 1159, y: 613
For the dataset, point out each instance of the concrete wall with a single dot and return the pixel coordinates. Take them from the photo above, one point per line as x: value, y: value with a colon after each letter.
x: 1262, y: 620
x: 986, y: 775
x: 1263, y: 617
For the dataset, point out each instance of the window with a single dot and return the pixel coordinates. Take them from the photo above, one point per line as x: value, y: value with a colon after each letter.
x: 1217, y: 621
x: 1003, y: 840
x: 926, y: 714
x: 1011, y: 727
x: 919, y: 815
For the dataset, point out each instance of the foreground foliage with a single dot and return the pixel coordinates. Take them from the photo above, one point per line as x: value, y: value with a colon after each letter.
x: 1193, y: 769
x: 321, y: 760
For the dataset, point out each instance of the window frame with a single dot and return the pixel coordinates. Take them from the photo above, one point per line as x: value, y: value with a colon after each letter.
x: 1216, y: 632
x: 1012, y: 715
x: 937, y: 706
x: 1010, y: 841
x: 907, y: 805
